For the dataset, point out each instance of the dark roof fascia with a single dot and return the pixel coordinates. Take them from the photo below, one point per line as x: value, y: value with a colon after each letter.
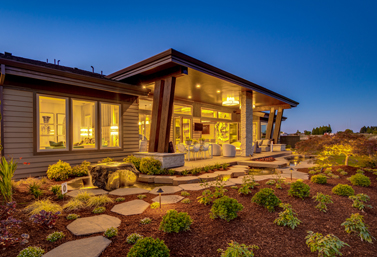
x: 172, y: 55
x: 117, y: 86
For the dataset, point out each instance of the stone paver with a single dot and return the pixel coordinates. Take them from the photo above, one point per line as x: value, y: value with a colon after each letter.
x: 238, y: 173
x: 128, y: 191
x: 167, y: 190
x: 237, y: 181
x: 226, y: 173
x: 95, y: 191
x: 91, y: 225
x: 185, y: 180
x: 208, y: 177
x: 226, y: 183
x: 164, y: 179
x: 146, y: 178
x: 168, y: 199
x: 131, y: 208
x: 193, y: 187
x: 87, y: 247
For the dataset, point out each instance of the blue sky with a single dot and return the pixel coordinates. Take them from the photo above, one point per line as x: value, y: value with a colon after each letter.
x: 322, y: 54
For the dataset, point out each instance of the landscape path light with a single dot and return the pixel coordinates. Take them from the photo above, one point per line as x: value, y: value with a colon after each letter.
x: 160, y: 191
x: 291, y: 172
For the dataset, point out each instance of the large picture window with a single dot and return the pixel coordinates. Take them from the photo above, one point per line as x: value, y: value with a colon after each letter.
x: 110, y: 117
x: 52, y: 123
x: 84, y: 122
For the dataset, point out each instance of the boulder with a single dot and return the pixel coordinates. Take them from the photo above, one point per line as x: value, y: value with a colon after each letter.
x: 113, y: 175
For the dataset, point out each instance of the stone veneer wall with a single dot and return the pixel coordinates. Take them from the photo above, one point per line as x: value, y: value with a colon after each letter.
x: 168, y: 160
x: 246, y: 123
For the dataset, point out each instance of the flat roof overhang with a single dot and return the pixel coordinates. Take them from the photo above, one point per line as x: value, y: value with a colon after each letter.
x: 194, y: 72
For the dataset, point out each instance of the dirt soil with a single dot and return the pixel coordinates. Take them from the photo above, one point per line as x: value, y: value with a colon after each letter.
x: 254, y: 224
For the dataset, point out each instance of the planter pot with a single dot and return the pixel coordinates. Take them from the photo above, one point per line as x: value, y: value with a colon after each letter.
x: 188, y: 142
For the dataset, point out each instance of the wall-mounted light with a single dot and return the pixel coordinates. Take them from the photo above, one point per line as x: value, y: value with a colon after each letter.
x: 189, y: 97
x: 198, y: 85
x: 218, y: 91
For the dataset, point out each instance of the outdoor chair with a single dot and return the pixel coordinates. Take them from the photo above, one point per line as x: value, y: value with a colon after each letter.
x: 204, y: 149
x: 257, y: 149
x: 216, y: 150
x: 195, y: 150
x: 229, y: 150
x: 182, y: 148
x: 265, y: 145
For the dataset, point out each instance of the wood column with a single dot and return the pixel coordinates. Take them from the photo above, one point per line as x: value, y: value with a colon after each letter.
x: 278, y: 125
x: 270, y: 123
x: 162, y: 111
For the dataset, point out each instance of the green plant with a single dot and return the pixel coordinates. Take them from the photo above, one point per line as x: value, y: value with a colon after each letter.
x: 141, y: 196
x: 244, y: 189
x: 150, y: 166
x: 339, y: 170
x: 8, y: 224
x: 133, y: 238
x: 120, y: 199
x: 219, y: 188
x: 155, y: 205
x: 145, y: 221
x: 56, y: 190
x: 287, y: 217
x: 106, y: 160
x: 328, y: 245
x: 225, y: 166
x: 360, y: 171
x: 99, y: 200
x: 238, y: 250
x: 134, y: 160
x: 185, y: 172
x: 234, y: 187
x: 45, y: 205
x: 343, y: 173
x: 111, y: 232
x: 174, y: 221
x: 73, y: 216
x: 217, y: 166
x: 356, y: 224
x: 59, y: 171
x: 149, y: 247
x: 83, y: 196
x: 186, y: 200
x: 225, y: 208
x: 74, y: 205
x: 322, y: 201
x: 35, y: 190
x: 45, y: 218
x: 319, y: 179
x: 266, y: 198
x: 80, y: 170
x: 360, y: 180
x: 299, y: 189
x: 7, y: 170
x: 334, y: 176
x: 185, y: 193
x: 271, y: 182
x: 53, y: 237
x: 359, y: 200
x: 343, y: 190
x: 279, y: 181
x: 99, y: 210
x: 31, y: 251
x: 195, y: 171
x: 206, y: 197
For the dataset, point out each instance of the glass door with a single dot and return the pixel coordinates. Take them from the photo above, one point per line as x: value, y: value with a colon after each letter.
x: 182, y: 129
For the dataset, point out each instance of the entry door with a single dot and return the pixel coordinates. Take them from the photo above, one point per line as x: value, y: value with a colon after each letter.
x: 182, y: 129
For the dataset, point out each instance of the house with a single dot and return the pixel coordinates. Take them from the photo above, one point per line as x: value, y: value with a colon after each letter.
x: 53, y: 112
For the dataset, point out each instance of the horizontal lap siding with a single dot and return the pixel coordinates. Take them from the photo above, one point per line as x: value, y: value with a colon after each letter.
x: 18, y: 136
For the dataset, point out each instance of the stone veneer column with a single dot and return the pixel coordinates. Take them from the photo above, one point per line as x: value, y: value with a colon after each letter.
x: 246, y: 123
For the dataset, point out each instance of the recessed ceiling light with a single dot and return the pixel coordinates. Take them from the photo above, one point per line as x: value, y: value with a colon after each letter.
x: 144, y: 87
x: 218, y: 91
x: 198, y: 85
x: 189, y: 97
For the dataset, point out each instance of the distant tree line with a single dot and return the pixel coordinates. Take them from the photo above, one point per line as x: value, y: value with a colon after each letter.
x: 321, y: 130
x: 369, y: 130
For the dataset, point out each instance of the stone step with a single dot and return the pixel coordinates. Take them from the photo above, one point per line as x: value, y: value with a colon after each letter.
x: 133, y: 207
x: 92, y: 225
x: 185, y: 180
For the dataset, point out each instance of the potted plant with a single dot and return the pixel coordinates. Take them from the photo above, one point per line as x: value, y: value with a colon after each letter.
x: 188, y: 141
x: 201, y: 140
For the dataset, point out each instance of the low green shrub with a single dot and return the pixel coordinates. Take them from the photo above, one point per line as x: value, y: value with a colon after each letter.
x: 287, y: 217
x: 80, y: 170
x: 99, y: 210
x: 106, y: 160
x: 149, y: 247
x: 343, y: 190
x: 120, y: 199
x: 206, y: 197
x: 145, y: 221
x: 328, y: 245
x: 360, y: 171
x: 59, y: 171
x: 238, y: 250
x: 57, y: 190
x: 266, y: 198
x: 359, y: 200
x: 234, y: 187
x: 99, y: 200
x: 244, y: 189
x: 343, y: 173
x: 73, y: 216
x: 134, y: 160
x: 45, y: 205
x: 185, y: 193
x: 322, y: 200
x: 35, y: 190
x: 355, y: 224
x: 271, y: 182
x: 299, y: 189
x: 186, y: 201
x: 133, y: 238
x: 53, y: 237
x: 111, y: 232
x: 174, y: 221
x: 31, y: 251
x: 319, y: 179
x: 360, y: 180
x: 150, y: 166
x: 339, y: 170
x: 225, y: 208
x: 141, y: 196
x: 334, y: 176
x: 155, y: 205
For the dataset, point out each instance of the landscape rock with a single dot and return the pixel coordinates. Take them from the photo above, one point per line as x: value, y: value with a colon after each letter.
x: 92, y: 225
x: 133, y: 207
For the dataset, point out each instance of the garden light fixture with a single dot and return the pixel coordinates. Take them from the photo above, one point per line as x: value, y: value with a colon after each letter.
x: 160, y: 191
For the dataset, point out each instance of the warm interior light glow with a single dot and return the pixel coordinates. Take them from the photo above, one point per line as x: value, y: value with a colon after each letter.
x: 189, y: 97
x: 197, y: 85
x: 114, y: 127
x: 253, y: 105
x: 218, y: 91
x: 144, y: 87
x: 147, y: 122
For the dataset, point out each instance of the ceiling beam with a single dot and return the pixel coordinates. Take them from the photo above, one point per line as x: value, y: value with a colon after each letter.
x: 268, y: 107
x: 176, y: 72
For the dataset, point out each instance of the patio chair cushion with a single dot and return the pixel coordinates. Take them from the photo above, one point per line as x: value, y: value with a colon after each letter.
x: 229, y: 150
x: 266, y: 142
x: 216, y: 150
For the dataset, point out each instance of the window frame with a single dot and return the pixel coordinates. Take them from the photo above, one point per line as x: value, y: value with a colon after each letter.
x: 120, y: 125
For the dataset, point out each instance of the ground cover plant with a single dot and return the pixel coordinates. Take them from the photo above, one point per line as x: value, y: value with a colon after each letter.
x: 174, y: 221
x: 99, y: 210
x: 359, y: 201
x: 43, y: 205
x: 328, y: 245
x: 149, y: 247
x: 322, y: 200
x: 235, y: 249
x: 31, y: 251
x: 111, y: 232
x: 8, y: 223
x: 355, y: 224
x: 53, y: 237
x: 287, y: 217
x: 44, y: 218
x: 155, y: 205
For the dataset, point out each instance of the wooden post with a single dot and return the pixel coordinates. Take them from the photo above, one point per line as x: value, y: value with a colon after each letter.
x: 270, y: 123
x: 278, y: 125
x: 156, y: 115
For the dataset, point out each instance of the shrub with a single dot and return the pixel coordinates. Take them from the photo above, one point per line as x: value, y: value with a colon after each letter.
x: 141, y: 196
x: 186, y: 200
x: 287, y: 217
x: 80, y: 170
x: 57, y: 190
x: 206, y: 197
x: 106, y: 160
x: 145, y: 221
x: 120, y: 199
x: 343, y: 173
x: 339, y: 170
x: 343, y: 190
x: 219, y: 188
x: 244, y: 189
x: 328, y: 245
x: 7, y: 222
x: 73, y: 216
x: 155, y: 205
x: 319, y: 179
x: 83, y: 196
x: 356, y: 224
x: 59, y: 171
x: 234, y: 187
x: 45, y: 205
x: 134, y: 160
x: 35, y: 190
x: 299, y: 189
x: 359, y: 200
x: 174, y: 221
x: 360, y: 171
x: 133, y: 238
x: 53, y: 237
x: 225, y: 208
x: 271, y: 182
x: 99, y: 210
x: 360, y: 180
x: 111, y: 232
x: 45, y: 218
x: 31, y: 251
x: 334, y: 176
x: 323, y: 200
x: 266, y: 198
x: 225, y: 166
x: 74, y: 205
x: 150, y: 166
x: 7, y: 170
x: 149, y: 247
x: 185, y: 193
x: 313, y: 172
x: 99, y: 200
x: 235, y: 249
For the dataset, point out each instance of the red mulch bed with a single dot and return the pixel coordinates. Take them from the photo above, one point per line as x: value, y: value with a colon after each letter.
x: 254, y: 225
